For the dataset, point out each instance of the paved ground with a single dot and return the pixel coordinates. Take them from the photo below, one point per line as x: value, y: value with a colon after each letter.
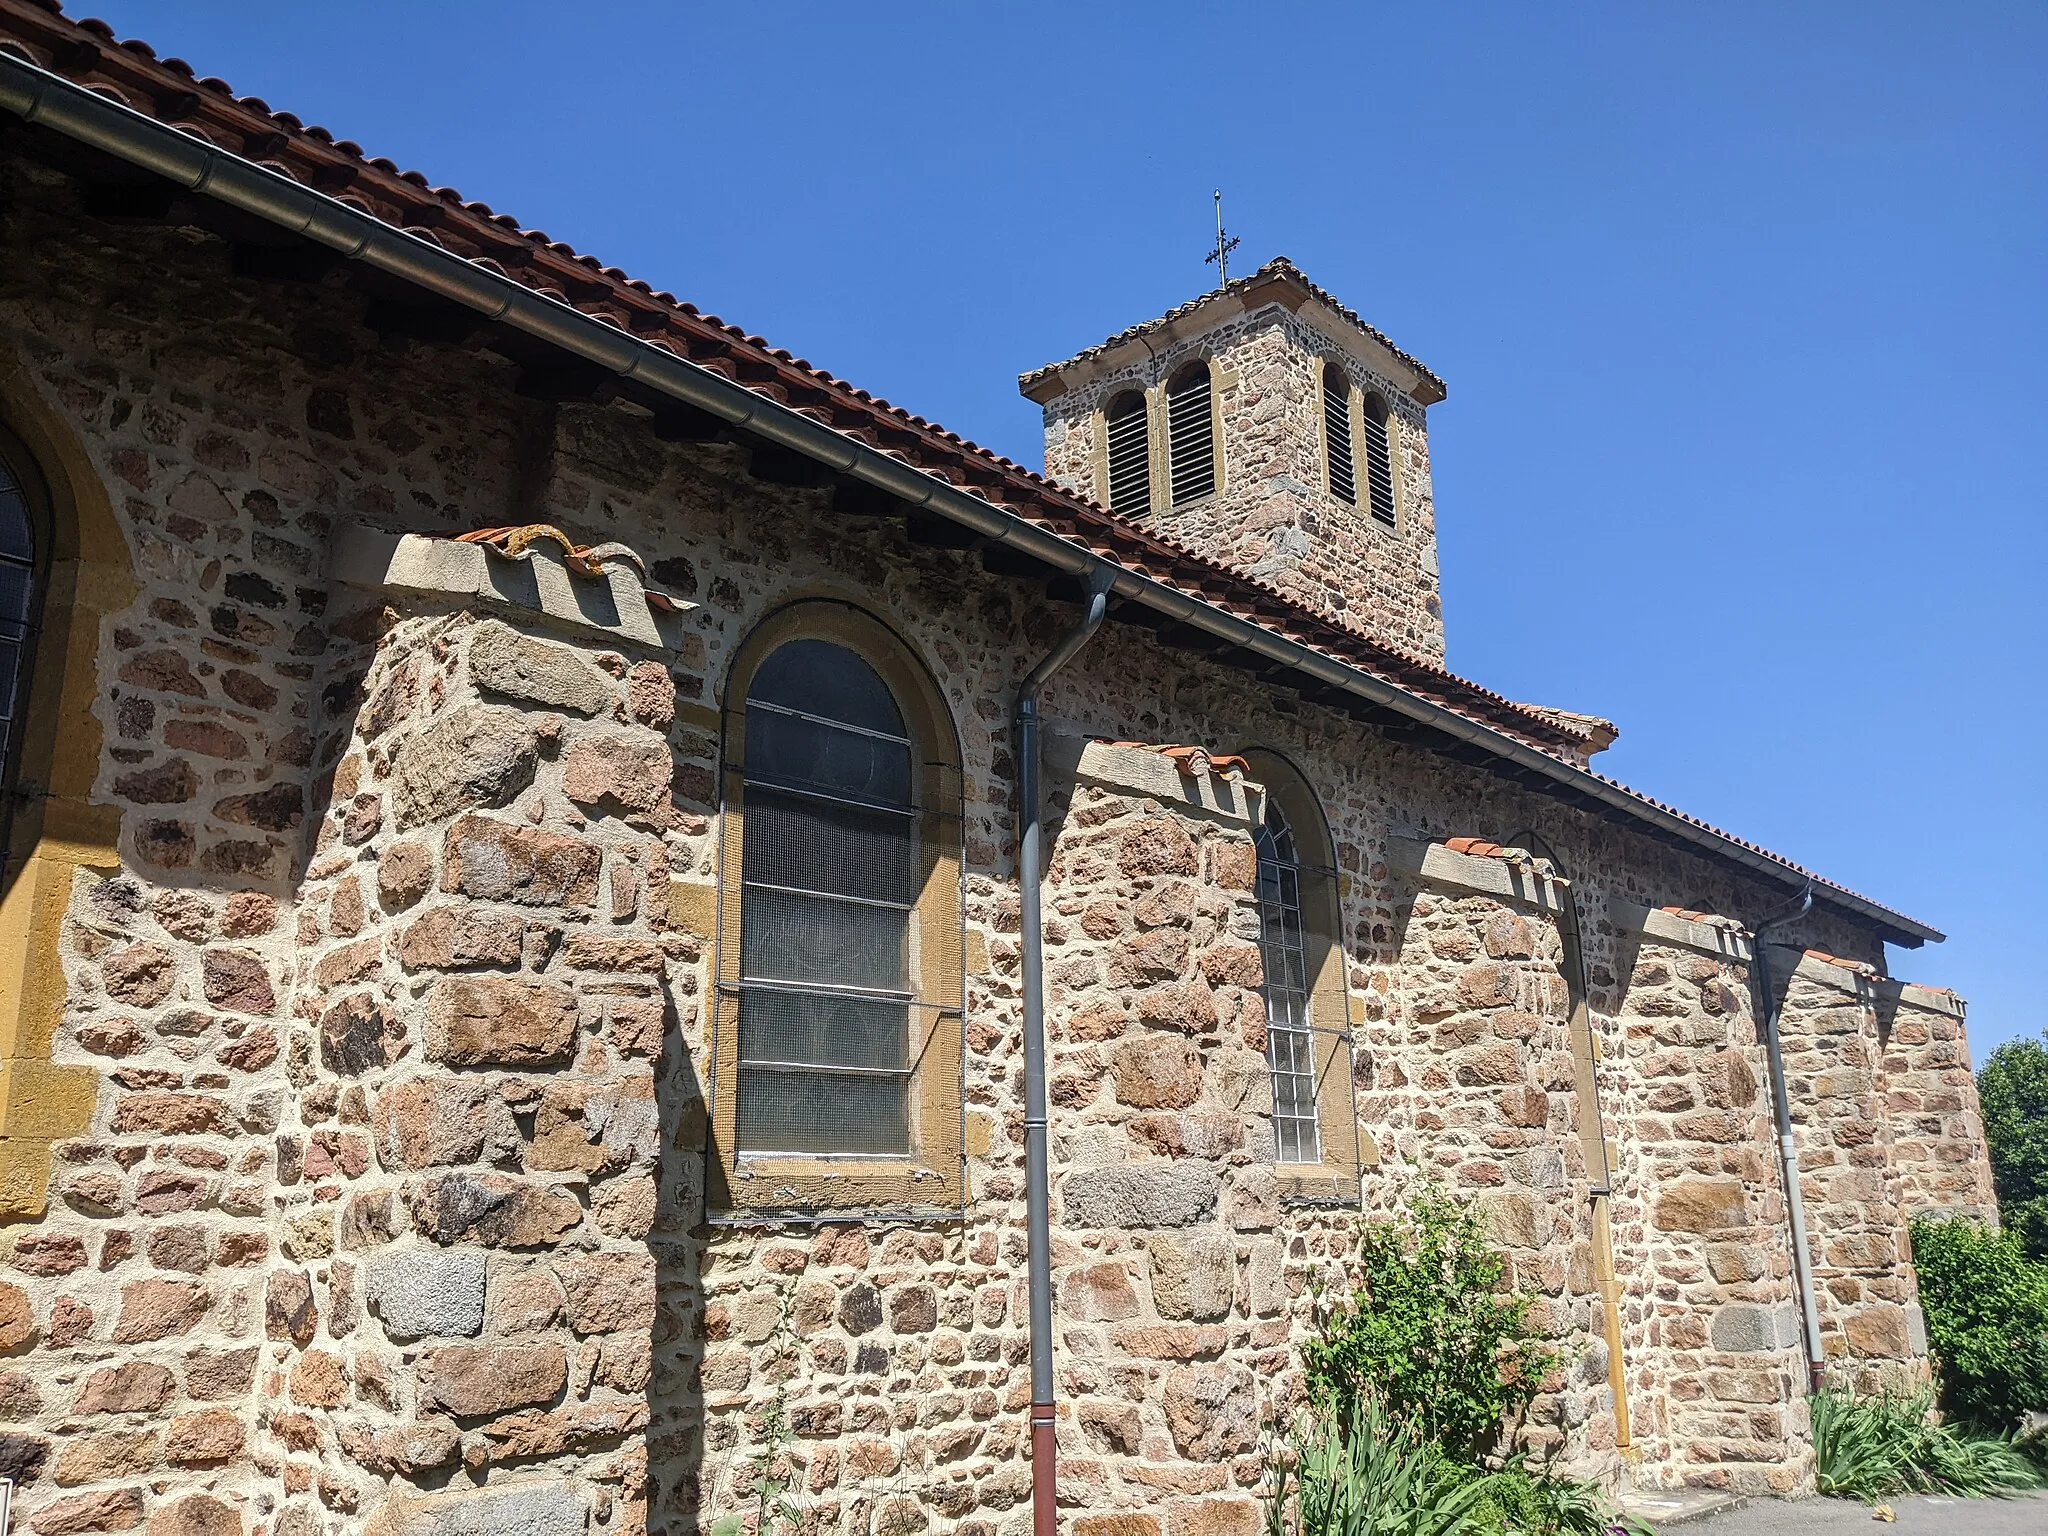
x: 2026, y: 1516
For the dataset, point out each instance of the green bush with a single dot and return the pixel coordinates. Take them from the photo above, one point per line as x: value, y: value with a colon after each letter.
x: 1431, y: 1334
x: 2013, y: 1089
x: 1987, y: 1321
x: 1869, y: 1448
x: 1533, y: 1500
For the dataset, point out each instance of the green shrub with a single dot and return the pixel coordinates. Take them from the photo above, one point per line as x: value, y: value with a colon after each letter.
x: 1533, y: 1500
x: 1872, y: 1447
x: 1430, y: 1334
x: 1987, y: 1321
x: 2013, y: 1089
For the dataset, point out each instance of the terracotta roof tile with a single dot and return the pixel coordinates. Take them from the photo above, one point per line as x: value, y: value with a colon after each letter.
x: 246, y: 126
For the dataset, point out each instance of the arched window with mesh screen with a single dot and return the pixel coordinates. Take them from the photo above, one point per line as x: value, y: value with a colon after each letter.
x: 1190, y: 433
x: 830, y: 886
x: 837, y: 1028
x: 20, y: 604
x: 1290, y: 1032
x: 1129, y: 455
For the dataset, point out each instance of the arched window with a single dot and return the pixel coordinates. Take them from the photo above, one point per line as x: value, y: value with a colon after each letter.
x: 1130, y: 454
x: 837, y: 1059
x: 1379, y: 459
x: 1318, y: 1145
x: 1190, y: 434
x: 20, y: 600
x: 1290, y: 1033
x: 825, y: 912
x: 1337, y: 433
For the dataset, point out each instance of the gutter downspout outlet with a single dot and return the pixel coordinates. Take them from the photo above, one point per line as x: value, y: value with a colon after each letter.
x: 1037, y: 1188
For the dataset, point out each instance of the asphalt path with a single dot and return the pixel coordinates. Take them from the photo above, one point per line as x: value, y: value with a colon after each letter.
x: 2026, y: 1516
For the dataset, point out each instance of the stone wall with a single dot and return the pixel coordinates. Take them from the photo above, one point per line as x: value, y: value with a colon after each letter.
x: 1716, y: 1357
x: 1472, y: 1086
x: 1851, y: 1179
x: 1272, y: 515
x: 389, y: 1213
x: 1938, y: 1144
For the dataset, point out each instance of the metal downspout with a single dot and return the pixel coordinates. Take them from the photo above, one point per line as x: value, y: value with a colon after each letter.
x: 1781, y: 1104
x: 1037, y: 1191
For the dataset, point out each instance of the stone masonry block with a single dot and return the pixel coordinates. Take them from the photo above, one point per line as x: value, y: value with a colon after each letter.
x: 1745, y: 1328
x: 1193, y: 1277
x: 423, y: 1293
x: 477, y: 754
x: 1139, y: 1195
x: 503, y: 661
x: 552, y: 1507
x: 483, y: 1021
x: 477, y: 1380
x: 498, y: 861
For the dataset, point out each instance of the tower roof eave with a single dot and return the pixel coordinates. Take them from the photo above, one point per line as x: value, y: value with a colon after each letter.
x: 1278, y: 281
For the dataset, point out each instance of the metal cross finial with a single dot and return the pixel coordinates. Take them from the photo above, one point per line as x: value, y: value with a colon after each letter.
x: 1225, y: 244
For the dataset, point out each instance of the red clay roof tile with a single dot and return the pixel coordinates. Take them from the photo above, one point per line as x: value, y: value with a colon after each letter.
x: 38, y: 30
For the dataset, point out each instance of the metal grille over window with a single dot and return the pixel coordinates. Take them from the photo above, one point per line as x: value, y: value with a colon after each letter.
x: 1290, y: 1035
x: 1379, y: 460
x: 1130, y: 456
x: 17, y: 611
x: 1337, y: 434
x: 1190, y: 437
x: 830, y: 882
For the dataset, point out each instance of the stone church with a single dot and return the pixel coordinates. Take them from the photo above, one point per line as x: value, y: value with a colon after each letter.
x: 604, y: 932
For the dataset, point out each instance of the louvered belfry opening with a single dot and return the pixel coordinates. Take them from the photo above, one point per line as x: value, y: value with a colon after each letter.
x: 1190, y: 435
x: 1337, y: 433
x: 1379, y: 460
x: 1130, y: 455
x: 829, y: 893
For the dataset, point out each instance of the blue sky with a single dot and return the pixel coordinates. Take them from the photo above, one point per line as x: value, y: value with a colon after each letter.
x: 1743, y: 309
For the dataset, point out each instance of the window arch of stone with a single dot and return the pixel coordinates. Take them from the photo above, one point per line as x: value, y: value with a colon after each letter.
x: 836, y: 1027
x: 82, y: 574
x: 1307, y: 996
x: 1193, y: 464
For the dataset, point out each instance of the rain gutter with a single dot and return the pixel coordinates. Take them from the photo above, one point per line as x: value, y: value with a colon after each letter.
x: 77, y: 113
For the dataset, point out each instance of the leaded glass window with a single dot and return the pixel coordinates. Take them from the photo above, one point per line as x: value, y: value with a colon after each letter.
x: 1290, y: 1038
x: 829, y: 889
x: 17, y: 613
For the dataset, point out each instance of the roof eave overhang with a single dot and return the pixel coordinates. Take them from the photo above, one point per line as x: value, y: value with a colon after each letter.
x: 1284, y: 288
x: 75, y: 112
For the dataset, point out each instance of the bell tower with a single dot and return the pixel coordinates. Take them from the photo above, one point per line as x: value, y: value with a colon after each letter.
x: 1267, y: 427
